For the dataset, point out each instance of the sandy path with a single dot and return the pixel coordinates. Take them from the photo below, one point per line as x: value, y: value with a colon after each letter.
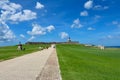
x: 26, y: 67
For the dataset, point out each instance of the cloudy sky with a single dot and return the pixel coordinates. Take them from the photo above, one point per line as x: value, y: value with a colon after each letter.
x: 87, y: 21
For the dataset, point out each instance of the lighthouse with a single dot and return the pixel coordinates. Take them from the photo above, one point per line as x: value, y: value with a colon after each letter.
x: 69, y: 40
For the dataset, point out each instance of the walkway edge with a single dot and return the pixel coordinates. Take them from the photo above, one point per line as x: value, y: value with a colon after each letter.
x: 51, y: 70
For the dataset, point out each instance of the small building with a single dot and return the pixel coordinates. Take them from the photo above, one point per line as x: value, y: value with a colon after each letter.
x: 88, y: 45
x: 101, y: 47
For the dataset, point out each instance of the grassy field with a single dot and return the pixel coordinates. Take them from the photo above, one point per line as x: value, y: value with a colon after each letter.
x: 78, y: 62
x: 9, y: 52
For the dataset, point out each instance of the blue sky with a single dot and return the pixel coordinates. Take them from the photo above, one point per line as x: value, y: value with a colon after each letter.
x: 87, y: 21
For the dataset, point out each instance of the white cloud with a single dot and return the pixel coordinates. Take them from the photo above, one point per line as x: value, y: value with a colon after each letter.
x: 109, y: 37
x: 97, y: 7
x: 3, y: 1
x: 105, y: 7
x: 8, y: 9
x: 9, y: 6
x: 50, y: 28
x: 13, y: 12
x: 64, y: 35
x: 100, y: 7
x: 84, y: 13
x: 39, y: 5
x: 31, y: 38
x: 88, y: 4
x: 116, y: 23
x: 39, y: 30
x: 5, y: 33
x: 91, y: 29
x: 76, y: 24
x: 21, y: 35
x: 96, y: 18
x: 23, y: 16
x: 112, y: 37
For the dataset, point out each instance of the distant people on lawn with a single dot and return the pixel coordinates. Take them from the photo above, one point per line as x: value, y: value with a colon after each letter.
x: 20, y: 46
x: 53, y: 46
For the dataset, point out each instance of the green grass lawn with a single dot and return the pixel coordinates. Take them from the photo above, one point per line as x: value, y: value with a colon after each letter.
x: 78, y: 62
x: 9, y: 52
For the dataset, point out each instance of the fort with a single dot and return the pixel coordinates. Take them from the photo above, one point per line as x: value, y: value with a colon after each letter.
x: 69, y: 41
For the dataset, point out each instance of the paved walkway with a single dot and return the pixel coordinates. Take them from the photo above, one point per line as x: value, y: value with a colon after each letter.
x: 51, y: 69
x: 26, y: 67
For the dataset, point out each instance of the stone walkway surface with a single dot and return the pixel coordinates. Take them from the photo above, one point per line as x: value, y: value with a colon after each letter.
x: 27, y: 67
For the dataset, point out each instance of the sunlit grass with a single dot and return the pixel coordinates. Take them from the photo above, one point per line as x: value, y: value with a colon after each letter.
x: 78, y: 62
x: 9, y: 52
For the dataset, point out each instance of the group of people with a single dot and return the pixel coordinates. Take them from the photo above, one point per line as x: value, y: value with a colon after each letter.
x: 20, y: 47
